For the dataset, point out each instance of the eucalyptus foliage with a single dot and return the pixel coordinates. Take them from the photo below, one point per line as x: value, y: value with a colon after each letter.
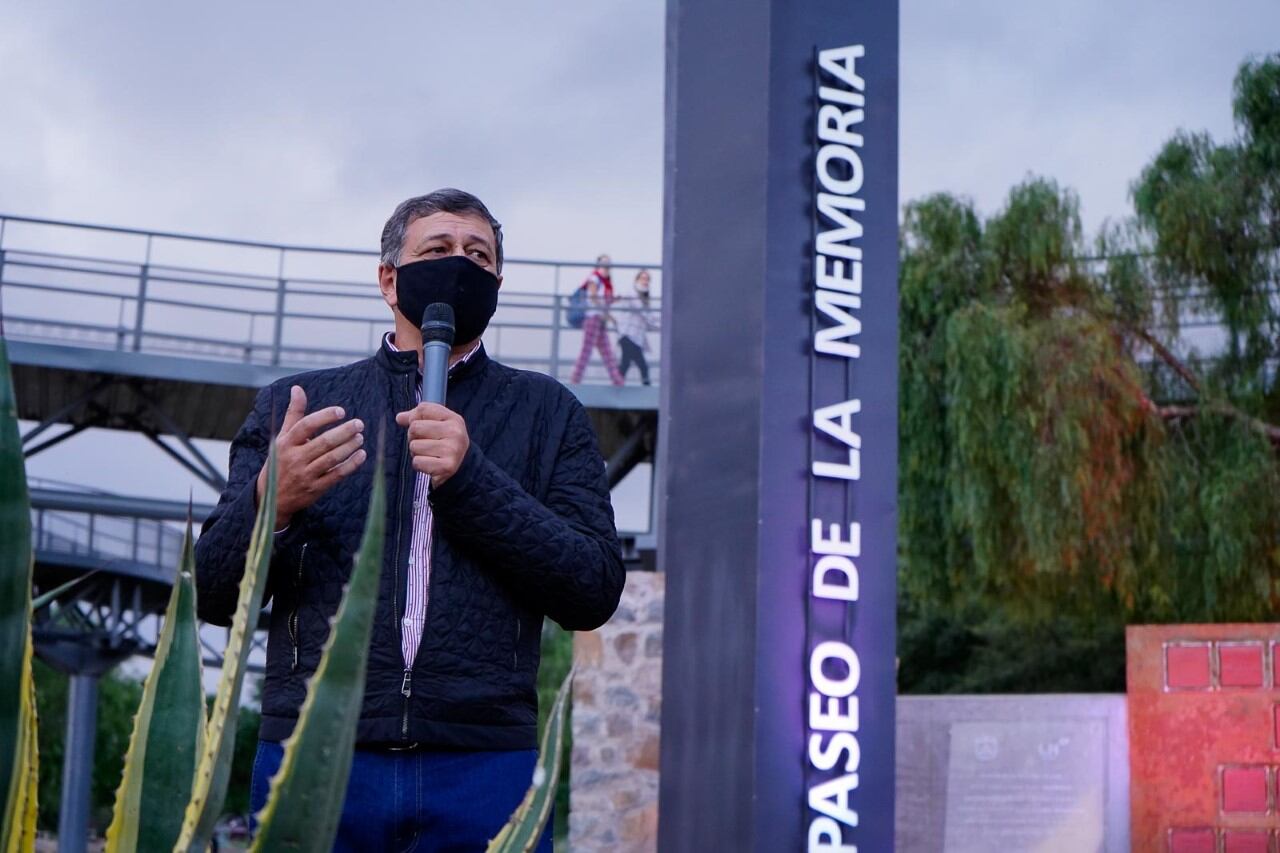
x: 1068, y: 464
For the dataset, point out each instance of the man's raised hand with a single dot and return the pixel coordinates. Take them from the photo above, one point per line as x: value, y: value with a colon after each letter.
x: 438, y: 440
x: 309, y: 463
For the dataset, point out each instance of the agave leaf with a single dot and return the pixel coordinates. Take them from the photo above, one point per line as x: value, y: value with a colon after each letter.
x: 305, y: 804
x: 209, y: 789
x: 45, y: 598
x: 24, y: 835
x: 16, y: 720
x: 522, y: 832
x: 168, y: 731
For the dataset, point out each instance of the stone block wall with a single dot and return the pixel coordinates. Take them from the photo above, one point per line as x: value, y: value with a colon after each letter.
x: 617, y: 701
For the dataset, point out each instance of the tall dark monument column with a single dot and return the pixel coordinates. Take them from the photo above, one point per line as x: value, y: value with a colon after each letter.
x: 779, y: 425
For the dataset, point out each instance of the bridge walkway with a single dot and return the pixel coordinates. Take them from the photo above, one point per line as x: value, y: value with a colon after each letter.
x: 170, y: 335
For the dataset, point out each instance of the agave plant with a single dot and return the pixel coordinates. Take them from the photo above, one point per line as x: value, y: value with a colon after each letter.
x: 522, y: 832
x: 18, y: 758
x: 156, y: 782
x: 306, y: 796
x: 209, y: 787
x: 176, y: 771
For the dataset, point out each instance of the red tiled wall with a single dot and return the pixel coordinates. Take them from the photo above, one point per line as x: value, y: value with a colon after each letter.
x: 1204, y: 738
x: 1246, y: 841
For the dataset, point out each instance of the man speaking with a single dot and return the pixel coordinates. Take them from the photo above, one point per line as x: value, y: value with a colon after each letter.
x: 498, y: 513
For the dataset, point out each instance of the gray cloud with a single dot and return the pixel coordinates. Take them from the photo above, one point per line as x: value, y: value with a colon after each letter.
x: 1083, y: 92
x: 308, y: 122
x: 270, y: 122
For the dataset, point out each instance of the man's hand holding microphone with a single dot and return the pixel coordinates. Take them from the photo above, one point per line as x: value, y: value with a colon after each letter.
x: 312, y: 458
x: 438, y: 438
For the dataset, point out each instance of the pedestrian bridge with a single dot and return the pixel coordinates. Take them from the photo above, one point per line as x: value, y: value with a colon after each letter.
x: 125, y: 551
x: 172, y: 334
x: 122, y: 554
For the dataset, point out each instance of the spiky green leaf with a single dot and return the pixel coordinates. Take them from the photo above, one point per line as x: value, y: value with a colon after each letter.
x: 23, y: 837
x: 46, y: 598
x: 307, y: 792
x: 209, y: 789
x: 522, y: 832
x: 17, y: 716
x: 168, y: 731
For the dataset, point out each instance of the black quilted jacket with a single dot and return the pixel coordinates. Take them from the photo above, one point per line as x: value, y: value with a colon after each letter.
x: 522, y: 530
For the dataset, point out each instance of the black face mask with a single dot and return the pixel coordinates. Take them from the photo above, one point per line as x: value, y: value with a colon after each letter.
x: 465, y: 286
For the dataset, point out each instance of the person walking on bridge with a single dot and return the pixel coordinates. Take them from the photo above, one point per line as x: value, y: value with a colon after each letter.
x: 595, y: 334
x: 636, y: 318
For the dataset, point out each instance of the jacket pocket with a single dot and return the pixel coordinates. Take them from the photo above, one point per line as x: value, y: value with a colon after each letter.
x: 295, y: 636
x: 515, y: 649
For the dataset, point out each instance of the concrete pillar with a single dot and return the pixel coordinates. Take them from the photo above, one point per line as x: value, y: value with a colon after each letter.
x: 77, y: 768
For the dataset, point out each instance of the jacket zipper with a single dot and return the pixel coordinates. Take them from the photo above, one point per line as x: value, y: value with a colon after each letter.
x: 297, y: 603
x: 406, y: 690
x: 515, y: 653
x: 406, y: 685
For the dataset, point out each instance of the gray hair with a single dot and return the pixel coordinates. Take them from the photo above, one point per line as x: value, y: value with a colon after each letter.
x: 447, y: 200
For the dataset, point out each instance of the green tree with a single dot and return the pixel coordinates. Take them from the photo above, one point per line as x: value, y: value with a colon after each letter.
x: 239, y: 788
x: 1213, y: 213
x: 118, y: 698
x: 1054, y: 485
x: 941, y: 272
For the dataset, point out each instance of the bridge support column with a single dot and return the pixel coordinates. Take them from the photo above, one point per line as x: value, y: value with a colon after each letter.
x: 77, y: 767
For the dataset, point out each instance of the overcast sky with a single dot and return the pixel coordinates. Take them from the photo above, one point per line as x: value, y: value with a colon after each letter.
x: 308, y: 122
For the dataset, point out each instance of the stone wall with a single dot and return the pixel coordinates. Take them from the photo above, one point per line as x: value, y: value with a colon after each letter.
x: 617, y: 700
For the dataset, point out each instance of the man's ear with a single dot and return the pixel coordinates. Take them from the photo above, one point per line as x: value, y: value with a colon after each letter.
x: 387, y: 284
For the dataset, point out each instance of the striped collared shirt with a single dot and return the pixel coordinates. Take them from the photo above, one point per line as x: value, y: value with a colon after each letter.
x: 415, y: 607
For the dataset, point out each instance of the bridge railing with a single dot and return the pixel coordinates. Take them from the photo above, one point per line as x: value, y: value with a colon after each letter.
x: 71, y: 523
x: 262, y: 303
x: 133, y: 543
x: 137, y: 537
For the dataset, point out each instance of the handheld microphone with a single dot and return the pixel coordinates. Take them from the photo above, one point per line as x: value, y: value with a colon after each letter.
x: 437, y: 341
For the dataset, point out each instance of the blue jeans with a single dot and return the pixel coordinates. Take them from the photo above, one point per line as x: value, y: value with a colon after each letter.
x: 428, y: 802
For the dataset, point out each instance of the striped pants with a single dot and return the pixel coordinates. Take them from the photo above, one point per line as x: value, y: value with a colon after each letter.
x: 595, y: 336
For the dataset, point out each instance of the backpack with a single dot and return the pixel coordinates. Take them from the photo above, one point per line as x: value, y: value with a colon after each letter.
x: 577, y: 309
